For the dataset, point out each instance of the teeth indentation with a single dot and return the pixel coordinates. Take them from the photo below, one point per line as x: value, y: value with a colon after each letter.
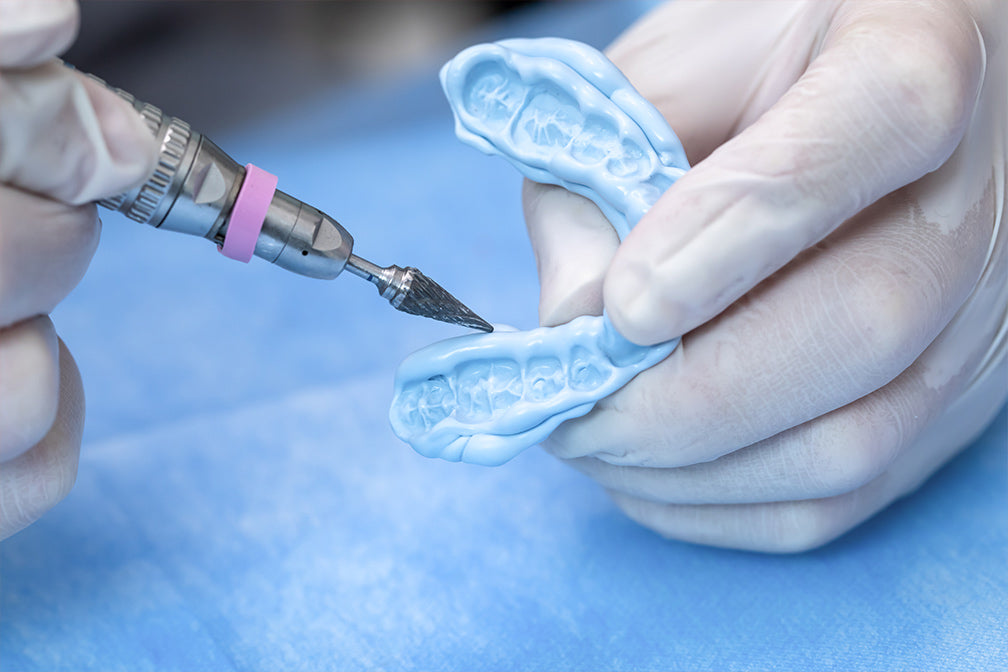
x: 630, y: 161
x: 548, y: 122
x: 660, y: 182
x: 586, y: 371
x: 505, y: 384
x: 486, y: 388
x: 596, y: 142
x: 473, y: 394
x: 544, y: 378
x: 408, y: 408
x: 481, y: 390
x: 428, y: 403
x: 493, y: 94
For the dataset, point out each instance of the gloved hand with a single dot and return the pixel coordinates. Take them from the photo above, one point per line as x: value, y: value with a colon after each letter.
x: 65, y: 141
x: 836, y: 260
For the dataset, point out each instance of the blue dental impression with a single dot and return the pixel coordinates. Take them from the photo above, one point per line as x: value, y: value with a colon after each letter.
x: 561, y: 113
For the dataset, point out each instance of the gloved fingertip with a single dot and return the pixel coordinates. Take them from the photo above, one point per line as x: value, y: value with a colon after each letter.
x: 33, y: 31
x: 573, y: 244
x: 71, y: 405
x: 30, y: 390
x: 561, y: 300
x: 129, y: 148
x: 35, y: 481
x: 637, y: 306
x: 129, y: 140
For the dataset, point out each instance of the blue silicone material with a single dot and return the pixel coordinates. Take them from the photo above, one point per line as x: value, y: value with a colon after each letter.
x: 561, y: 113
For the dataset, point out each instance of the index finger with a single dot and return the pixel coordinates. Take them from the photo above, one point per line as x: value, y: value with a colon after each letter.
x: 886, y: 100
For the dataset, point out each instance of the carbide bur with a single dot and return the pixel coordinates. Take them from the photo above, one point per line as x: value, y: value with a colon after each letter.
x: 410, y: 291
x: 429, y: 299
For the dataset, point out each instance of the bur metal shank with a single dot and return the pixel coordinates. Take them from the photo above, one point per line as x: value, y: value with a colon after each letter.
x: 193, y: 190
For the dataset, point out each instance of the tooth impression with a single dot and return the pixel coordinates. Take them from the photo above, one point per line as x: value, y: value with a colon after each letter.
x: 562, y: 114
x: 506, y: 384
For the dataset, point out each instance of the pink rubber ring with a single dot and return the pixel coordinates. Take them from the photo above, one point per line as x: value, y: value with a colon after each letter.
x: 249, y: 213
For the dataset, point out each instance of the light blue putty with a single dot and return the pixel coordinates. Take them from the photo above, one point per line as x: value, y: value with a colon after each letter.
x: 562, y: 114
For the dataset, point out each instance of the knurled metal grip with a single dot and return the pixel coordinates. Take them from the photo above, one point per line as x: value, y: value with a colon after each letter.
x: 193, y: 184
x: 195, y: 189
x: 152, y: 193
x: 150, y: 202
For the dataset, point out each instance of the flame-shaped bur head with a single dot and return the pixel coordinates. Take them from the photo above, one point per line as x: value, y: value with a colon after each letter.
x: 410, y: 291
x: 422, y: 296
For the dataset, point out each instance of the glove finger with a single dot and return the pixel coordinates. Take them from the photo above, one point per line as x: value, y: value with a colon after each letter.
x: 38, y: 479
x: 29, y: 386
x: 848, y: 448
x: 837, y: 324
x: 841, y: 322
x: 573, y: 243
x: 66, y: 136
x: 886, y: 100
x: 33, y: 31
x: 793, y: 526
x: 45, y: 248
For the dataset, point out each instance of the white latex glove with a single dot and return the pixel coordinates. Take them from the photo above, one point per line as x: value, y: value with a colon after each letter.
x: 64, y: 141
x: 836, y: 260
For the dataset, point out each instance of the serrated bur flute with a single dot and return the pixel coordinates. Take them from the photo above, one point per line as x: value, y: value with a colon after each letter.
x: 193, y: 190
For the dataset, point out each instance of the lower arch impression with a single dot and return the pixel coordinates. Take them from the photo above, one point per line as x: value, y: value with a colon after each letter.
x: 561, y: 113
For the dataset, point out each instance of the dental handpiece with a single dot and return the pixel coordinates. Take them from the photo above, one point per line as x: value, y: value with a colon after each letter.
x: 197, y: 189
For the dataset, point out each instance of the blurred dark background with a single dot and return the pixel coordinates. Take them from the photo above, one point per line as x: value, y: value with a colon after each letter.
x: 217, y: 62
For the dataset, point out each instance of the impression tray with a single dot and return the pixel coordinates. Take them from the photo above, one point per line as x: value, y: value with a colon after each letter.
x: 561, y: 113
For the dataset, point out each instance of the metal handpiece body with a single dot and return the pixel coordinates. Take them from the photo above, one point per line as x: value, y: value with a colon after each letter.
x: 193, y: 190
x: 196, y: 186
